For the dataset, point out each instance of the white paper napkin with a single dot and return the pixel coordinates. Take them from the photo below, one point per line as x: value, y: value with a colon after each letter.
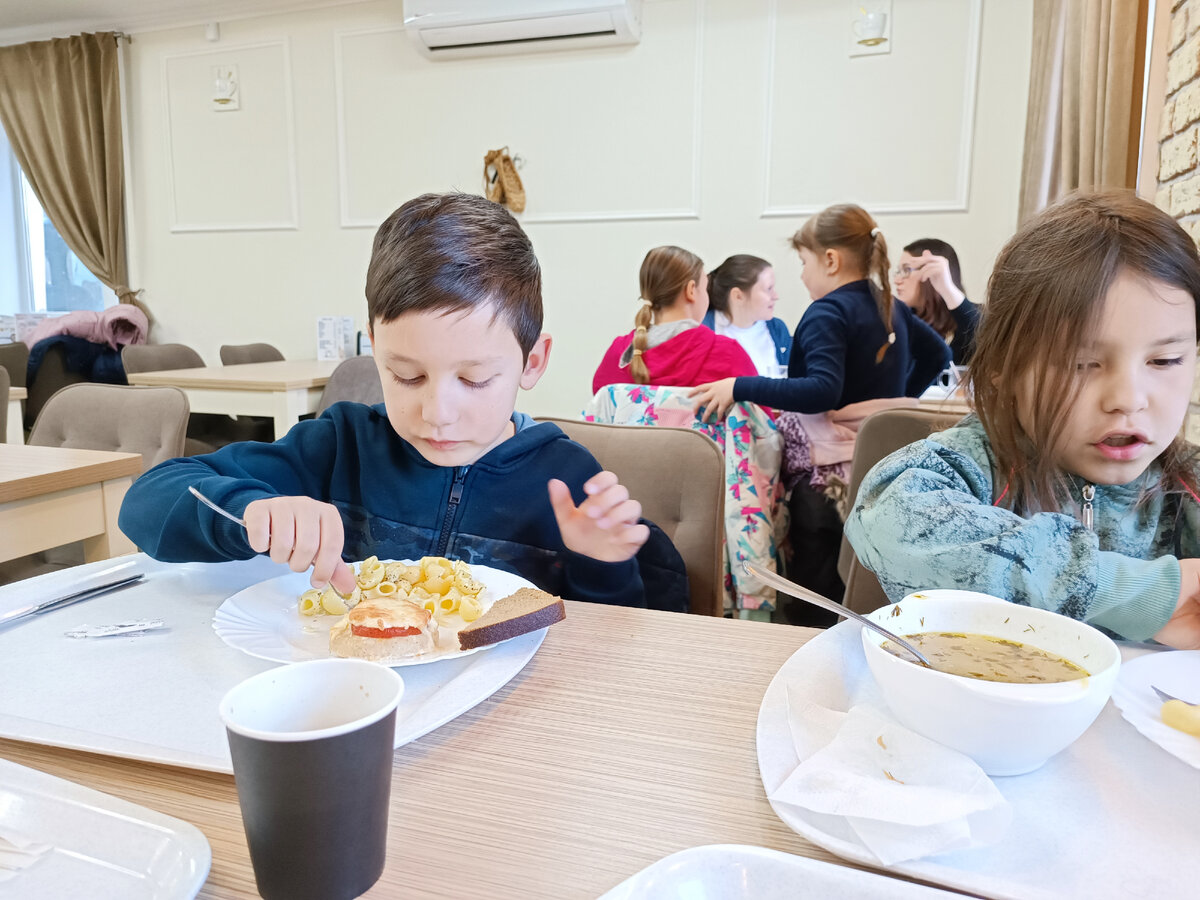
x: 17, y: 851
x: 904, y: 795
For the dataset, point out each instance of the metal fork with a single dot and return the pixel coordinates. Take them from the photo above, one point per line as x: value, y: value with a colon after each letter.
x: 1164, y: 697
x: 230, y: 516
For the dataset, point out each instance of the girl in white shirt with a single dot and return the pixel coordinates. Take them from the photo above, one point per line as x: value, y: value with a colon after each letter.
x: 741, y: 294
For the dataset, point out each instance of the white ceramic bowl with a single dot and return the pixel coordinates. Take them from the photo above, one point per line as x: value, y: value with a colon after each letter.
x: 1008, y: 729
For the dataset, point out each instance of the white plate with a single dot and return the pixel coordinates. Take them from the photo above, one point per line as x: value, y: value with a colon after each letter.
x: 1178, y: 673
x: 103, y: 847
x: 154, y: 697
x: 264, y: 621
x: 738, y: 872
x: 1062, y: 813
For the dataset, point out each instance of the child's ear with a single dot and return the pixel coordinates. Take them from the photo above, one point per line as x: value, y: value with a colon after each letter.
x: 833, y: 261
x: 689, y: 292
x: 538, y: 359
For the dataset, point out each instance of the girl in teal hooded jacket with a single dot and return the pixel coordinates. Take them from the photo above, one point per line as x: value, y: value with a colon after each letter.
x: 1071, y: 488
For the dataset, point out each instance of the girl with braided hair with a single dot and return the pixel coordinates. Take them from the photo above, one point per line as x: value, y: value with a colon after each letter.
x: 668, y: 345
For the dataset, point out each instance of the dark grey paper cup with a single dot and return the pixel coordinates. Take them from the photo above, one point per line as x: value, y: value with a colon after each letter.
x: 312, y: 748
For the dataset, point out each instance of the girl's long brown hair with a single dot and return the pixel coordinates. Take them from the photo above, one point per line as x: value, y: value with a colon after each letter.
x: 665, y: 272
x: 930, y: 306
x: 850, y: 229
x: 1045, y: 298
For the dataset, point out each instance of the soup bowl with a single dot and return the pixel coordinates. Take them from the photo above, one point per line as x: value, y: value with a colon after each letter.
x: 1008, y: 729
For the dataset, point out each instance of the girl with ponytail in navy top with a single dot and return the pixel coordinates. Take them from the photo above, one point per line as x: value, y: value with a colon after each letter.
x: 855, y: 341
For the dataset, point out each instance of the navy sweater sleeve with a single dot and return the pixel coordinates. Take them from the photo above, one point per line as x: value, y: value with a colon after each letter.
x: 168, y: 523
x: 821, y: 341
x: 966, y: 317
x: 929, y: 352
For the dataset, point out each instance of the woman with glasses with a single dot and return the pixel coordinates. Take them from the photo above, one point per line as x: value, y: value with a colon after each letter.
x: 928, y: 280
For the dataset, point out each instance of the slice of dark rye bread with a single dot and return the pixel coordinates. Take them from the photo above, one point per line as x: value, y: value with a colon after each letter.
x: 527, y: 610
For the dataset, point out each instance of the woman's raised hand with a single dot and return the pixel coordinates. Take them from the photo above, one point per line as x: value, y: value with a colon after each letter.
x: 936, y: 270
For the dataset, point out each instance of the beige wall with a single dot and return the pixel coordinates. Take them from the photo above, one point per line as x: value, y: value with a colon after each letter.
x: 729, y: 123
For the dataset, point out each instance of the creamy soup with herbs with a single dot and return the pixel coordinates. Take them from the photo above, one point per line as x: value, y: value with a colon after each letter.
x: 988, y: 658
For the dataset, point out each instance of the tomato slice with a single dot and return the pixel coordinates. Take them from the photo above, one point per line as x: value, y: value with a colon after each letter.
x: 399, y: 631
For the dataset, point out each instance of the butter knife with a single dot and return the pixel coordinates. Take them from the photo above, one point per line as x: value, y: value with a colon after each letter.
x: 34, y: 609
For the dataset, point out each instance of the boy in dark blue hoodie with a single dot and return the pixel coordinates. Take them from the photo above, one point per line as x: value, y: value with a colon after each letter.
x: 444, y: 466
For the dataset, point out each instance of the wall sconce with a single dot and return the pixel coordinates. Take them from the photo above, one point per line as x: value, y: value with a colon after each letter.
x: 870, y: 27
x: 226, y: 90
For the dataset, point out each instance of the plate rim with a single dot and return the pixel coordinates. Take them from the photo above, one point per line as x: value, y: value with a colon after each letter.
x: 228, y: 621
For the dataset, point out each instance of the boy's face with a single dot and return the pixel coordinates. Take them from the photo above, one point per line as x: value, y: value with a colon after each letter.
x: 1137, y: 378
x: 450, y: 381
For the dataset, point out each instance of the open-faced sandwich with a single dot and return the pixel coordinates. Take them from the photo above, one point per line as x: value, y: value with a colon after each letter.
x: 384, y: 628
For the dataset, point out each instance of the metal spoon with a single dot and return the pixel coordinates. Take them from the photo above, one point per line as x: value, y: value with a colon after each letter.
x: 792, y: 589
x: 230, y: 516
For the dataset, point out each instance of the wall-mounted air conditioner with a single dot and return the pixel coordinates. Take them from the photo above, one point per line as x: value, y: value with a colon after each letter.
x: 446, y: 29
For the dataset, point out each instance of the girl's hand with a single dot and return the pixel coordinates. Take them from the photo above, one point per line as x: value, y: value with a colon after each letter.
x: 605, y: 525
x: 301, y: 532
x: 1182, y: 630
x: 712, y: 400
x: 936, y: 270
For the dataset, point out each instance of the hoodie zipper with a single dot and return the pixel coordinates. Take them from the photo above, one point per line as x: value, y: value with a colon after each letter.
x: 1089, y: 494
x: 456, y: 489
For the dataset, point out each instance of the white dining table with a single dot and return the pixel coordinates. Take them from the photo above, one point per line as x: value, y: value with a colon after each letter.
x: 50, y: 496
x: 283, y: 390
x: 628, y: 736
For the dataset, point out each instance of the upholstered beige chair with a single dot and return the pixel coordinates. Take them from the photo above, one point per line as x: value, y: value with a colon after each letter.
x: 151, y: 421
x: 156, y: 357
x: 881, y: 434
x: 15, y: 358
x: 678, y: 475
x: 4, y: 384
x: 51, y: 377
x: 355, y: 379
x: 206, y: 431
x: 239, y: 354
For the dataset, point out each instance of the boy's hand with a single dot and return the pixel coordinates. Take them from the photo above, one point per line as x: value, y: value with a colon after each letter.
x: 605, y: 525
x: 1182, y: 630
x: 712, y: 401
x: 301, y: 532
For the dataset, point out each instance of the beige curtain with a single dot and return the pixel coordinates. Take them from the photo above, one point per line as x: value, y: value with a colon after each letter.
x: 1085, y: 98
x: 60, y: 105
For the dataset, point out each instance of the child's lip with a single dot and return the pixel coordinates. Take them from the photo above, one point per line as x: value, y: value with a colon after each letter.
x: 1122, y: 452
x: 442, y: 445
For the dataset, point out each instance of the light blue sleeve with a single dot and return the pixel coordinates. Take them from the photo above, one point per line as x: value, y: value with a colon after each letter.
x: 924, y: 519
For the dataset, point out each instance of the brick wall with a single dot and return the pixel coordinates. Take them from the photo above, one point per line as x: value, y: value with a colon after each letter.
x: 1179, y: 130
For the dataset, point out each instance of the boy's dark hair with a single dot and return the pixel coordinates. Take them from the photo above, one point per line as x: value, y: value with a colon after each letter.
x: 739, y: 271
x: 455, y: 253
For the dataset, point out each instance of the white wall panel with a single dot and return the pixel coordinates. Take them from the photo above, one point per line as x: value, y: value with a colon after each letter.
x: 604, y: 134
x: 891, y: 132
x: 231, y: 170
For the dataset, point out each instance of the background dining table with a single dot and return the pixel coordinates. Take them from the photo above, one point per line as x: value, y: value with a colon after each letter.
x: 628, y: 736
x: 282, y: 389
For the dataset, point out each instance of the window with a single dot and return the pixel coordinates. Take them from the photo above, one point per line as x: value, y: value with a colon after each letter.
x: 38, y: 272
